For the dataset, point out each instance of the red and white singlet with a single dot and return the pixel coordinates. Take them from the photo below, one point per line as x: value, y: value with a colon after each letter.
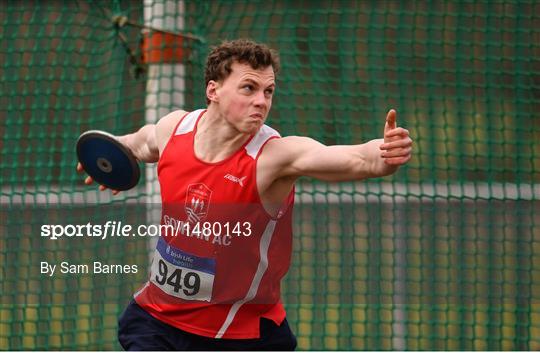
x: 218, y: 269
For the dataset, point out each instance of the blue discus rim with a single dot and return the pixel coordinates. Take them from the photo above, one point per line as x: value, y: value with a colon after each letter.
x: 107, y: 161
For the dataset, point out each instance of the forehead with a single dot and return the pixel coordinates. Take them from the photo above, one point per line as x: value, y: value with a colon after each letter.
x: 241, y: 71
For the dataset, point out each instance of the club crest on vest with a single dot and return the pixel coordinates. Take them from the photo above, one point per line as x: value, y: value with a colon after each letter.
x: 197, y: 202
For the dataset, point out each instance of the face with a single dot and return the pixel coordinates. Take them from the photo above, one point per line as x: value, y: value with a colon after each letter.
x: 244, y: 98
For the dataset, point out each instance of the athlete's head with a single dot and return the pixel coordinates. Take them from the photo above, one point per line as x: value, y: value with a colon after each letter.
x: 244, y: 51
x: 240, y: 83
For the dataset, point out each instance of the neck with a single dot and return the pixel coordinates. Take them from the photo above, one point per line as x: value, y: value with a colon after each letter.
x: 216, y: 139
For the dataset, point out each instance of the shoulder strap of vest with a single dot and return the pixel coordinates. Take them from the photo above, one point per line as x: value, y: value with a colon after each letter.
x: 188, y: 122
x: 257, y: 142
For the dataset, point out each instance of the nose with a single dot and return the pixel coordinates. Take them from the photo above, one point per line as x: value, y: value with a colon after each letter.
x: 260, y: 100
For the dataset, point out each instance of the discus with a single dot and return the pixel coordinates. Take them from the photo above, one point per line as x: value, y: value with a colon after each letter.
x: 107, y: 161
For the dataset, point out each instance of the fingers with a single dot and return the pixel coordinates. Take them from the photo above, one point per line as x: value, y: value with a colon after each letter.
x: 103, y: 188
x: 397, y: 147
x: 396, y: 132
x: 401, y: 143
x: 397, y: 152
x: 89, y: 180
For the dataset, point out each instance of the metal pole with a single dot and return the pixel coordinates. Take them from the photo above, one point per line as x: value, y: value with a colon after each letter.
x: 165, y: 89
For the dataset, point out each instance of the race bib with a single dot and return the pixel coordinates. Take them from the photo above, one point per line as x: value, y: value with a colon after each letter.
x: 182, y: 275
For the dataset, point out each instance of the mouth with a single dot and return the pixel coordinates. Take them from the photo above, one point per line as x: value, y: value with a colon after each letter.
x: 257, y: 116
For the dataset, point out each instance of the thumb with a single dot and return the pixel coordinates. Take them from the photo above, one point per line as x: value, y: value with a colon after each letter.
x: 390, y: 123
x: 390, y: 120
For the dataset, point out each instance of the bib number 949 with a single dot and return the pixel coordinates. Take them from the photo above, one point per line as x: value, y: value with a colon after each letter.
x: 188, y: 282
x: 181, y: 274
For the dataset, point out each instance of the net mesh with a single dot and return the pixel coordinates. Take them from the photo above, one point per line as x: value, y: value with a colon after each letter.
x: 442, y: 255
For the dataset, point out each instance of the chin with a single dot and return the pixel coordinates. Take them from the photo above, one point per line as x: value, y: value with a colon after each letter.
x: 252, y: 129
x: 254, y: 126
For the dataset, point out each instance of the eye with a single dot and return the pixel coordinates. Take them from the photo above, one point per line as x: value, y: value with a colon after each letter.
x: 269, y: 91
x: 247, y: 88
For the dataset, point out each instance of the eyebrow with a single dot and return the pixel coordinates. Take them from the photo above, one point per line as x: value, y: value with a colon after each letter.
x: 255, y: 83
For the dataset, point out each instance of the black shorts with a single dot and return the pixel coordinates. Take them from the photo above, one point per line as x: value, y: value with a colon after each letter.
x: 140, y: 331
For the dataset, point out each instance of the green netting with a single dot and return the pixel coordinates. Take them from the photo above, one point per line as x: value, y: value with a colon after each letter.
x: 441, y: 255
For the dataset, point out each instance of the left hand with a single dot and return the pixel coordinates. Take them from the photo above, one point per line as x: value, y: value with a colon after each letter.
x: 397, y: 146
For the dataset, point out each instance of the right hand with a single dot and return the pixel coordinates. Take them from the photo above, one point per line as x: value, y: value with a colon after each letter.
x: 89, y: 180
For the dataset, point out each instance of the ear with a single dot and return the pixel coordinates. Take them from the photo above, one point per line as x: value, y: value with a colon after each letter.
x: 211, y: 91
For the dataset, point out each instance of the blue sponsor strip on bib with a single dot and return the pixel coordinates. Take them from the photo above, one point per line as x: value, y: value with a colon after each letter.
x: 180, y: 258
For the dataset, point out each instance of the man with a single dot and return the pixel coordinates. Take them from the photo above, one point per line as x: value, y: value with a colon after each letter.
x: 224, y: 167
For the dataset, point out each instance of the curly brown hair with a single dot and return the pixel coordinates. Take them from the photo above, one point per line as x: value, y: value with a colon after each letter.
x: 245, y: 51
